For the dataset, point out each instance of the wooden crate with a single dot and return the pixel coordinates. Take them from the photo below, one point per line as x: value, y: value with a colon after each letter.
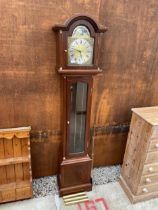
x: 139, y: 175
x: 15, y: 164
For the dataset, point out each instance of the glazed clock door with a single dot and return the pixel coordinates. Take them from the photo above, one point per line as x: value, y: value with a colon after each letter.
x: 78, y: 101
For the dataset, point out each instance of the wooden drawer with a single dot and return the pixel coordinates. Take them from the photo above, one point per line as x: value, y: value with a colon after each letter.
x: 150, y: 169
x: 22, y: 193
x: 152, y: 157
x: 154, y: 132
x: 153, y: 146
x: 142, y: 190
x: 150, y: 179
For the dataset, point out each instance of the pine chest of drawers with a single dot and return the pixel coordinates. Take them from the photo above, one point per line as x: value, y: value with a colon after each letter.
x: 139, y: 175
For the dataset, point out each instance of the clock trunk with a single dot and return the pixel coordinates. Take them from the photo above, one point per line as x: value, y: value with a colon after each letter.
x: 76, y: 163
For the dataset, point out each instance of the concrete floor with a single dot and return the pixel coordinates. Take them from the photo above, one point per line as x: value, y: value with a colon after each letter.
x: 103, y: 197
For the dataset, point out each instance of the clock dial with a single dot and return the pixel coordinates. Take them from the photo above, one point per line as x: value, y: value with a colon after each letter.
x: 80, y: 52
x: 80, y: 47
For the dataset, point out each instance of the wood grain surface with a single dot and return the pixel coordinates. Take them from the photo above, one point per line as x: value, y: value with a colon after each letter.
x: 15, y: 165
x: 30, y: 86
x: 129, y: 59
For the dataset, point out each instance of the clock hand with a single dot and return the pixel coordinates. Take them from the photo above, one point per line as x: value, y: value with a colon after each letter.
x: 81, y: 55
x: 78, y: 50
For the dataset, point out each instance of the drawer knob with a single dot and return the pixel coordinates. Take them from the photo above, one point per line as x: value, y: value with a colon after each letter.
x: 150, y: 169
x: 145, y: 190
x: 156, y: 145
x: 148, y: 180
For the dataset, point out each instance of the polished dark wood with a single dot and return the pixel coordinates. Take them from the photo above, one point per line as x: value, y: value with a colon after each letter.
x: 75, y: 20
x: 75, y: 175
x: 75, y: 168
x: 62, y: 34
x: 79, y: 71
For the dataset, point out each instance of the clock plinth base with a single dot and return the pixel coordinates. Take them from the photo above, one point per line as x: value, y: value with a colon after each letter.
x: 75, y: 176
x: 75, y: 189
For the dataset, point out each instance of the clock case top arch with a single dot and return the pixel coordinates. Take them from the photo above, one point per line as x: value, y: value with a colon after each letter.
x: 66, y: 30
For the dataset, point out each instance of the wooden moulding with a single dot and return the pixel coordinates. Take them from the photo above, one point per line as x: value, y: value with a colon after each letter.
x: 74, y: 189
x: 9, y: 133
x: 65, y: 27
x: 136, y: 198
x: 15, y: 164
x: 80, y: 72
x: 8, y: 161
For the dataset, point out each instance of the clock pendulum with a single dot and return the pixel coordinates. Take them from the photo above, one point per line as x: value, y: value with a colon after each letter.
x: 78, y: 45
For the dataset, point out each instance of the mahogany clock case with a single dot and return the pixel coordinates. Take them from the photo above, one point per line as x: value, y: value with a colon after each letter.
x: 76, y: 89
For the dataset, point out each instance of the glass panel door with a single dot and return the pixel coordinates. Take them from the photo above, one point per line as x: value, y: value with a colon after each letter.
x: 77, y: 116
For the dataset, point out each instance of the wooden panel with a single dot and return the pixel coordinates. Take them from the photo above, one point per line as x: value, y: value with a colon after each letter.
x: 24, y: 147
x: 18, y: 153
x: 3, y: 177
x: 108, y: 150
x: 78, y: 173
x: 129, y: 63
x: 9, y: 153
x: 22, y: 193
x: 8, y: 146
x: 8, y: 195
x: 26, y: 170
x: 28, y: 60
x: 30, y: 87
x: 2, y: 149
x: 25, y: 152
x: 17, y: 147
x: 42, y: 163
x: 128, y: 60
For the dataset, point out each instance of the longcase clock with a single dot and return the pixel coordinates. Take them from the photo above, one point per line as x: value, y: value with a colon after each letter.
x: 78, y: 44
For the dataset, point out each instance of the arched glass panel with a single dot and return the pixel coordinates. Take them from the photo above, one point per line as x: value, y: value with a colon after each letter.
x: 81, y: 31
